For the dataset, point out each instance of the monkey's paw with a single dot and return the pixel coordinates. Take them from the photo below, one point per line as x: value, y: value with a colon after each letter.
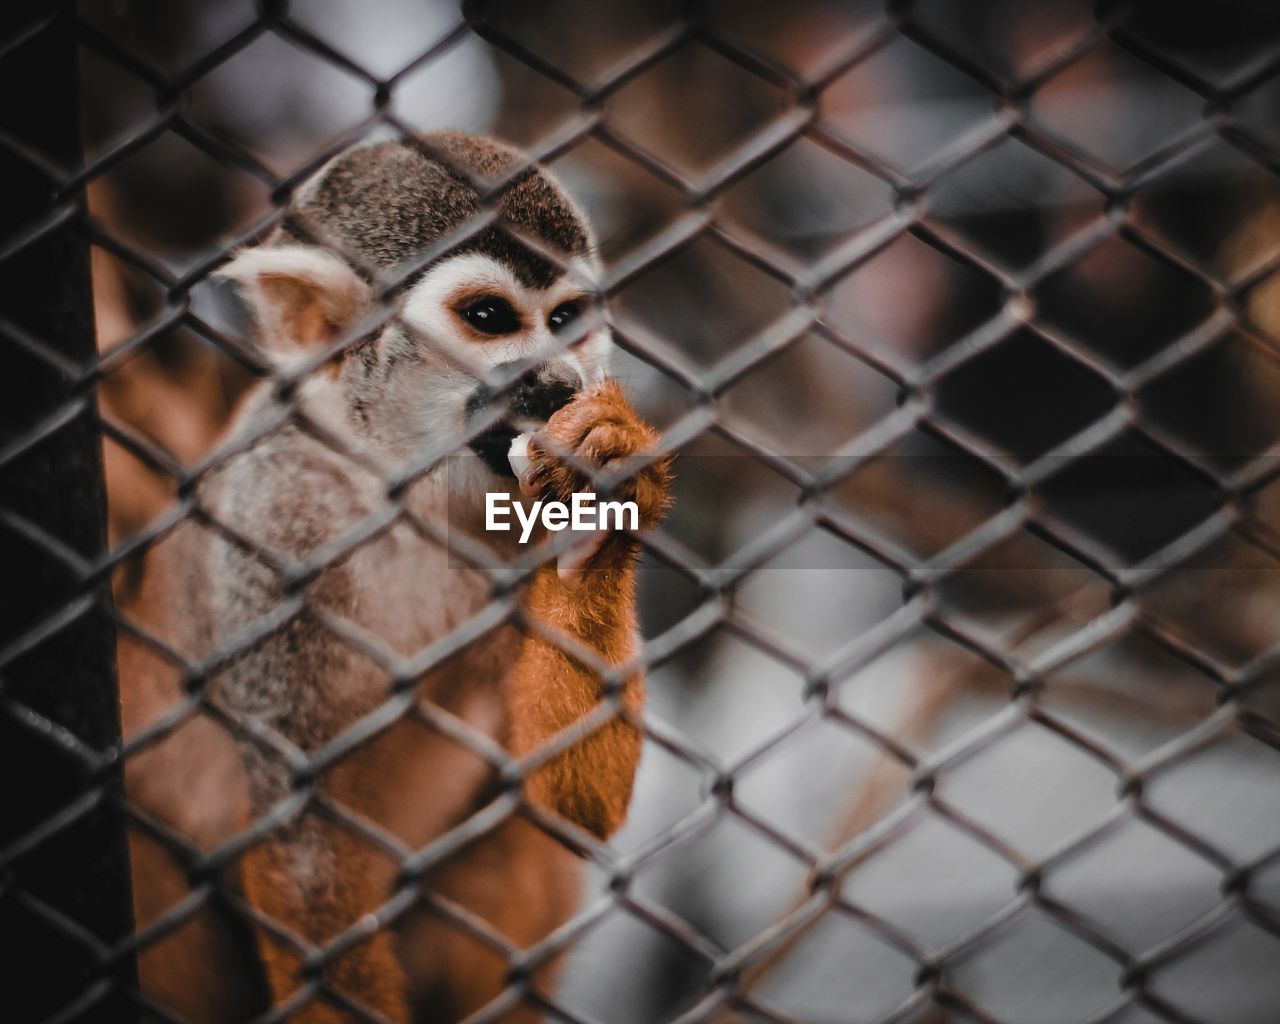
x: 599, y: 429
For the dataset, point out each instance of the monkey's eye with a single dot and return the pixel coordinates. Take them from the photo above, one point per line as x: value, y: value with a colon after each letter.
x: 563, y: 315
x: 491, y: 315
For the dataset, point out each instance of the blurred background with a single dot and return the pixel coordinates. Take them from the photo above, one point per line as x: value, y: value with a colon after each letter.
x: 963, y: 628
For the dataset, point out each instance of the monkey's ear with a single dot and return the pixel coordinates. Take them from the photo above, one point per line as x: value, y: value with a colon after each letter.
x: 300, y: 295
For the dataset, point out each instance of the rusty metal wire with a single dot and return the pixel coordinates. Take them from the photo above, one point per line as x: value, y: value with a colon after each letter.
x: 1231, y: 513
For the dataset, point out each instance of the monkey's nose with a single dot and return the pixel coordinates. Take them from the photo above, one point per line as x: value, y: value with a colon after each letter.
x: 540, y: 397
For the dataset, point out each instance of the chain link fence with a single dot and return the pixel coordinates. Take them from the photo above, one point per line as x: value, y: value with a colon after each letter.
x: 963, y: 323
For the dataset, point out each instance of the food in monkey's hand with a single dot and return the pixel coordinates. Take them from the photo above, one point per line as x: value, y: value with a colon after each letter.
x: 518, y: 455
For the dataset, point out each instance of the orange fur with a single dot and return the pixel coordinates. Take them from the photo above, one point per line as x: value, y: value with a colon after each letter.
x: 369, y: 973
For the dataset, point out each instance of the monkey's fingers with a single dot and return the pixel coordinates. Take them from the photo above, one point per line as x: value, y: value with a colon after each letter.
x: 552, y: 476
x: 599, y: 429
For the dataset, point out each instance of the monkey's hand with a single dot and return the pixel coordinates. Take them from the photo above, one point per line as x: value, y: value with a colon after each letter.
x: 599, y: 432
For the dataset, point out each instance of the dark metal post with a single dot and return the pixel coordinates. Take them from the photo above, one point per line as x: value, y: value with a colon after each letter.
x: 64, y: 878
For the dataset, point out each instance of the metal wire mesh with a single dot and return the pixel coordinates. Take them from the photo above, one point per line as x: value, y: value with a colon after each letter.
x: 1070, y: 431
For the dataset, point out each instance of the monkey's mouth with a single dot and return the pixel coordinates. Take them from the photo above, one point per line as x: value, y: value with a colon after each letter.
x: 492, y: 447
x: 529, y: 400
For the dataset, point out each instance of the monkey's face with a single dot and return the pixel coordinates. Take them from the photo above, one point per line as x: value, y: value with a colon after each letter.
x: 475, y: 348
x: 487, y: 342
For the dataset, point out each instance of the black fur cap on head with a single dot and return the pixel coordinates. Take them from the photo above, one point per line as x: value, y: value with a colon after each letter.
x: 389, y: 201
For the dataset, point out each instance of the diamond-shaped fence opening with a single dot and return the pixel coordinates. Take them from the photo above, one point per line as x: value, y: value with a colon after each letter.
x: 1012, y: 202
x: 964, y: 297
x: 1090, y: 884
x: 1083, y: 984
x: 1152, y: 112
x: 958, y: 326
x: 842, y: 199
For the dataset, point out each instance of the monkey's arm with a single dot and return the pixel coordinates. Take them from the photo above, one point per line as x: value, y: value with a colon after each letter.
x: 549, y: 690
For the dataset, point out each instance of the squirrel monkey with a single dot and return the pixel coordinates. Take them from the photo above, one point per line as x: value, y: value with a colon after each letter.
x: 308, y: 471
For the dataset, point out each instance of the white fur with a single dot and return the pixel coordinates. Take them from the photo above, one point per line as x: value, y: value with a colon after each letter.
x: 339, y: 290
